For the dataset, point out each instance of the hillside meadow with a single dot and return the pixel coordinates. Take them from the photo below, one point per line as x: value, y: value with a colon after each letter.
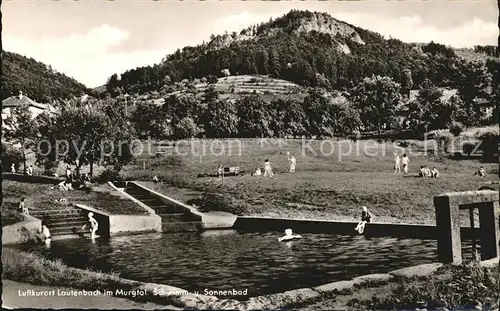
x: 333, y: 179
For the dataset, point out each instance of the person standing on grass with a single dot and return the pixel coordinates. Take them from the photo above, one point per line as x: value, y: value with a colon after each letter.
x: 366, y: 217
x: 397, y: 164
x: 268, y: 171
x: 406, y: 163
x: 30, y: 170
x: 293, y: 162
x: 13, y: 168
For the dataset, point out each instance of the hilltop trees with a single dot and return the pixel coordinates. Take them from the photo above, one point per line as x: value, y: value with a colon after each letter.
x: 38, y: 81
x: 280, y: 49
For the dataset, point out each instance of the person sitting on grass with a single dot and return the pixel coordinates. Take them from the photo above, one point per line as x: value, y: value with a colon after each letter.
x: 421, y: 171
x: 156, y: 179
x: 268, y: 171
x: 258, y: 172
x: 22, y: 208
x: 427, y: 171
x: 434, y: 173
x: 366, y: 217
x: 68, y: 184
x: 481, y: 172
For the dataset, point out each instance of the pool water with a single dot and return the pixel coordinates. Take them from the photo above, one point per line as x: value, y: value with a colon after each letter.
x: 227, y: 259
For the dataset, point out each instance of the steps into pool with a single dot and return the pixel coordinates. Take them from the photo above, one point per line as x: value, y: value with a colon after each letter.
x: 173, y: 218
x: 63, y: 221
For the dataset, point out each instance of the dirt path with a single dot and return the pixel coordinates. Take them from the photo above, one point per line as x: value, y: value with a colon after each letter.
x: 12, y: 297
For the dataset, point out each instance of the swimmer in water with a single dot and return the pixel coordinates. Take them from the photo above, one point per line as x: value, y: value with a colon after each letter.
x: 289, y: 236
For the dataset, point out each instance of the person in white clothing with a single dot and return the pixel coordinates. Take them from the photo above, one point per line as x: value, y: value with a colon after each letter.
x: 397, y: 164
x: 45, y: 235
x: 293, y: 162
x: 405, y: 162
x: 435, y: 172
x: 268, y: 171
x: 289, y: 236
x: 30, y: 170
x: 258, y: 172
x: 92, y: 225
x: 13, y: 168
x: 68, y: 172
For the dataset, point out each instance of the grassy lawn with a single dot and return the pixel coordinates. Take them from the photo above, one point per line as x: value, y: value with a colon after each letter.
x: 31, y: 268
x: 42, y: 197
x: 450, y: 287
x: 332, y: 185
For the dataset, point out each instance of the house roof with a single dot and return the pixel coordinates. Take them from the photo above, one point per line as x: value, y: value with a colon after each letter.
x: 15, y: 101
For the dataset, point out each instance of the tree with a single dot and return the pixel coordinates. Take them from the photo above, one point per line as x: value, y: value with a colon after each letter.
x: 151, y: 120
x: 220, y: 119
x: 288, y: 118
x: 92, y: 133
x: 254, y: 117
x: 345, y: 117
x: 185, y: 128
x: 317, y: 109
x: 19, y: 127
x: 377, y: 99
x: 427, y: 112
x: 167, y: 80
x: 407, y: 83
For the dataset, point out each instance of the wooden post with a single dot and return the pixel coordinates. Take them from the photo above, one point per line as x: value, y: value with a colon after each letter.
x: 143, y: 165
x: 223, y: 175
x: 474, y: 250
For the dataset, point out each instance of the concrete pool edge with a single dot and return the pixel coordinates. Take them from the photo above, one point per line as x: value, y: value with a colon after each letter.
x: 375, y: 229
x: 166, y: 294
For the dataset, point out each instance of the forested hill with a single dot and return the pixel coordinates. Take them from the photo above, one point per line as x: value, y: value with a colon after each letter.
x: 36, y: 80
x: 308, y: 48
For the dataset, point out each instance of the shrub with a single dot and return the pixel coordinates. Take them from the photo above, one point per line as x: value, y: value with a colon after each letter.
x: 468, y: 148
x: 404, y: 144
x: 110, y: 174
x: 456, y: 129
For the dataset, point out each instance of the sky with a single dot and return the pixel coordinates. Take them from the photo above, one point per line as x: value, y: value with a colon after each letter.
x: 90, y: 40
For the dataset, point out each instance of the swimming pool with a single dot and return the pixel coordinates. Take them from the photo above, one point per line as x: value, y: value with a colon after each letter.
x: 227, y: 259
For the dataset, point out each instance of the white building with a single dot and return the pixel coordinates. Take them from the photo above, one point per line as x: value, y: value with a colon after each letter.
x: 15, y: 101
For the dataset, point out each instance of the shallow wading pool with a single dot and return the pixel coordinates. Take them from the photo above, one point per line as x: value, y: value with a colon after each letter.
x: 227, y: 259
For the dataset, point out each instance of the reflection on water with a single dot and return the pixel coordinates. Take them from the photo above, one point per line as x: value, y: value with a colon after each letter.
x: 219, y: 260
